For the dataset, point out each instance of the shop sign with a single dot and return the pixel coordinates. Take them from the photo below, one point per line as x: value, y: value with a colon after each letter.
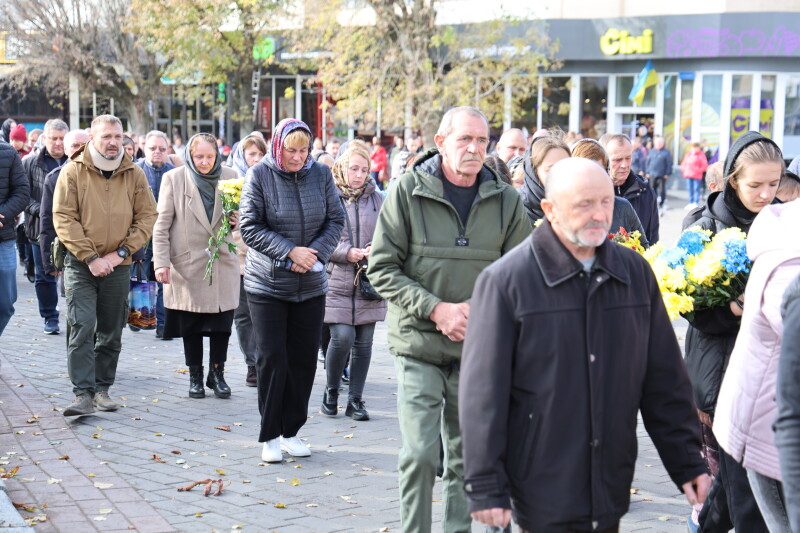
x: 740, y: 122
x: 615, y: 42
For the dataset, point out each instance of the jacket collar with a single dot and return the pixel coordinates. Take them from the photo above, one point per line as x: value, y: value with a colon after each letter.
x: 83, y: 157
x: 557, y: 264
x: 428, y: 178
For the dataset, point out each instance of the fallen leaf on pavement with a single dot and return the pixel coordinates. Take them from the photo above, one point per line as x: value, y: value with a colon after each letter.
x: 157, y: 458
x: 99, y: 518
x: 223, y: 428
x: 220, y: 471
x: 198, y: 515
x: 53, y: 481
x: 63, y: 458
x: 663, y: 518
x: 193, y: 484
x: 161, y: 435
x: 245, y: 481
x: 383, y: 529
x: 25, y: 507
x: 280, y: 480
x: 294, y: 482
x: 328, y: 473
x: 312, y: 505
x: 99, y: 485
x: 280, y: 506
x: 105, y: 511
x: 634, y: 491
x: 176, y: 452
x: 350, y: 436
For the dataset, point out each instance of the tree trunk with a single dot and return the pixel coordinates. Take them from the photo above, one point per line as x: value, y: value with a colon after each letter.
x: 139, y: 117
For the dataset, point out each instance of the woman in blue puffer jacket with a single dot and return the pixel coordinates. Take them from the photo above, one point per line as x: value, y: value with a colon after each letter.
x: 291, y: 218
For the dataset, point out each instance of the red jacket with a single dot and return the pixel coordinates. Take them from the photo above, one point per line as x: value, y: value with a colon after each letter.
x: 378, y: 158
x: 694, y: 164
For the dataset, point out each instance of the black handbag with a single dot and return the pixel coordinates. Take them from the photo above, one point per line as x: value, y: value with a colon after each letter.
x: 361, y: 281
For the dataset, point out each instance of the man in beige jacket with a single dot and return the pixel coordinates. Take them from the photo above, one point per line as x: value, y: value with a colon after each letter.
x: 103, y: 211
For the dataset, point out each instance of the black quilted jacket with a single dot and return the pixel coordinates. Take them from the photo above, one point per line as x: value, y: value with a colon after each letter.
x: 14, y: 190
x: 280, y: 210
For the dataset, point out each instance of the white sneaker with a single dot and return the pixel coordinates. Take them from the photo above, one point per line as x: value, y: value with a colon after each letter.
x: 271, y: 453
x: 294, y: 447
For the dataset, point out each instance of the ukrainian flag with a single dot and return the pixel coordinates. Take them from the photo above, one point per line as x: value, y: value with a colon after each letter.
x: 648, y: 77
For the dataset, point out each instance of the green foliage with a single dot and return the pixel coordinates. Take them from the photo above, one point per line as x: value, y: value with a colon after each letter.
x: 395, y: 51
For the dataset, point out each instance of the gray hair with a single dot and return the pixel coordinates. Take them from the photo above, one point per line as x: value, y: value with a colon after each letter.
x: 159, y: 134
x: 608, y: 138
x: 106, y: 119
x: 55, y: 124
x: 446, y: 126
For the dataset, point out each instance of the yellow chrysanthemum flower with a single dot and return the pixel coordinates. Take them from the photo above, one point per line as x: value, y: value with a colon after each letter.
x: 677, y: 304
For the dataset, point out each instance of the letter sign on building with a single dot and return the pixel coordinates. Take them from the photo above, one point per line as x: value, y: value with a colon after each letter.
x: 615, y: 42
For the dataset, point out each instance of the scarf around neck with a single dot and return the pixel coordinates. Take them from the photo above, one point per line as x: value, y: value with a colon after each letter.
x: 102, y: 163
x: 206, y: 183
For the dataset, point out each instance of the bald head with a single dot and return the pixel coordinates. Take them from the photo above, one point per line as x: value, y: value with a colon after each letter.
x: 579, y: 204
x: 512, y: 143
x: 74, y: 140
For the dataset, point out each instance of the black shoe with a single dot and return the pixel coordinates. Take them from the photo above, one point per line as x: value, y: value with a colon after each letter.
x: 330, y: 402
x: 251, y: 379
x: 160, y: 334
x: 30, y: 272
x: 216, y: 382
x: 355, y: 410
x: 196, y: 389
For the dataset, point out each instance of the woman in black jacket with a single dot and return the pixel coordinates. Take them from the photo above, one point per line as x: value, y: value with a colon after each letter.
x: 291, y: 218
x: 753, y: 170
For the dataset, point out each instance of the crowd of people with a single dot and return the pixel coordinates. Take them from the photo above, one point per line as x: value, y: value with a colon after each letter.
x: 502, y: 293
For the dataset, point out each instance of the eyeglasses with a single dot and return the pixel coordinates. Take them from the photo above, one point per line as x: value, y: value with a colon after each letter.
x: 156, y: 149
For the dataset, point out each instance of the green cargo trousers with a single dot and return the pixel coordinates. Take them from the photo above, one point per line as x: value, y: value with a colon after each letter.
x: 427, y: 406
x: 97, y: 310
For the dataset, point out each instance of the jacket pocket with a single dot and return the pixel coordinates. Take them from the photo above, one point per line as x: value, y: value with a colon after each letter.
x: 180, y: 258
x: 520, y: 450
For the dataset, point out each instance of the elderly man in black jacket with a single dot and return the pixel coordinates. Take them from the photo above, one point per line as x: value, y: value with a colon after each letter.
x: 572, y: 328
x: 628, y: 185
x: 14, y: 195
x: 37, y: 167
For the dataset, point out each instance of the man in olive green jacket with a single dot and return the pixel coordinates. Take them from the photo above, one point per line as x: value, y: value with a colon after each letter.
x: 442, y: 224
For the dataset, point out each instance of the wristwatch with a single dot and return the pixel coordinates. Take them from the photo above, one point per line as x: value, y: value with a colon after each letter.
x: 95, y: 256
x: 123, y: 252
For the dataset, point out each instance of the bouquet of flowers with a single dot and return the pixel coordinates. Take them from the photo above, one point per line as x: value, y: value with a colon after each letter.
x: 231, y: 194
x: 628, y: 240
x: 700, y: 272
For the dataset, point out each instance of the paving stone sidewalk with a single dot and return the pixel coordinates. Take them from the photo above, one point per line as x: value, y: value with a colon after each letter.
x: 99, y: 473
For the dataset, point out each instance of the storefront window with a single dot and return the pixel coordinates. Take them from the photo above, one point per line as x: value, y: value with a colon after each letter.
x: 740, y: 104
x: 624, y: 86
x: 687, y: 102
x: 555, y: 103
x: 712, y: 101
x: 767, y: 105
x: 311, y: 100
x: 594, y: 92
x: 670, y: 95
x: 791, y: 125
x: 285, y: 95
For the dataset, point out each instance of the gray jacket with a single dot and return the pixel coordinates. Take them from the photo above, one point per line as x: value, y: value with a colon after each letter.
x: 280, y: 210
x: 344, y: 303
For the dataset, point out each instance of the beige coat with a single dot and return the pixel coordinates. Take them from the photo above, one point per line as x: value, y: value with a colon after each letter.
x: 180, y: 239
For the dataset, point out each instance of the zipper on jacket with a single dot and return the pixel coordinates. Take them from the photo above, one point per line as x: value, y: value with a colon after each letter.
x: 357, y: 244
x: 302, y: 229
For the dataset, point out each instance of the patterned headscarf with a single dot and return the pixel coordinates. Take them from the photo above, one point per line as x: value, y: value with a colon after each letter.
x: 340, y: 169
x: 283, y: 129
x: 237, y: 161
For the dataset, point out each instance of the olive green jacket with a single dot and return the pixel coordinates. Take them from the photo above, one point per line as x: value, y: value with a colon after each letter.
x: 422, y: 255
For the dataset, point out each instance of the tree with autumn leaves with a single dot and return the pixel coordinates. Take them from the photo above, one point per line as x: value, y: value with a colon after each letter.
x: 393, y: 52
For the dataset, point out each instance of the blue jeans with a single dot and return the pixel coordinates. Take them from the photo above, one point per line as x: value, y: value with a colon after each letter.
x: 769, y: 497
x: 694, y: 190
x: 8, y: 282
x: 46, y: 288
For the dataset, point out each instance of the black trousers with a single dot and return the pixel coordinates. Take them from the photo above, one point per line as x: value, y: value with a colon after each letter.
x: 730, y: 503
x: 217, y: 349
x: 288, y: 336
